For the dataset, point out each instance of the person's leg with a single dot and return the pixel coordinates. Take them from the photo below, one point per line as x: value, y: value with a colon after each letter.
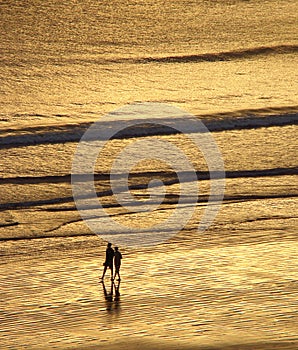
x: 111, y: 267
x: 104, y: 272
x: 117, y: 272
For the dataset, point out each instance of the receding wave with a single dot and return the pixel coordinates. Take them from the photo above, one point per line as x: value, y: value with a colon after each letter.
x: 52, y: 233
x: 169, y: 178
x: 63, y: 204
x: 237, y: 120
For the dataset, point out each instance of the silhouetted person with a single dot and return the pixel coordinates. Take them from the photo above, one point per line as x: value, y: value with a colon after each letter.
x: 117, y: 262
x: 109, y: 261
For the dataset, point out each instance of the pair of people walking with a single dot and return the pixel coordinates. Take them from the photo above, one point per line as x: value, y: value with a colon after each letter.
x: 113, y: 257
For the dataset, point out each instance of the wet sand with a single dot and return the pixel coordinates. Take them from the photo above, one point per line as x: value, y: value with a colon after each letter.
x: 175, y: 296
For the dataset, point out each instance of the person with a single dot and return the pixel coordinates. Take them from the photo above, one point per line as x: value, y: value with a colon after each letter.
x: 117, y: 262
x: 109, y: 261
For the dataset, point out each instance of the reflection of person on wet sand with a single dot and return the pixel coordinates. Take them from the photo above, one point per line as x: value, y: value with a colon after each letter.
x: 117, y: 262
x: 109, y: 261
x: 117, y: 296
x: 117, y: 290
x: 109, y: 296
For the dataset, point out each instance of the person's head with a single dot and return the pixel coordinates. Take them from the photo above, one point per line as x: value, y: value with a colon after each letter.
x: 116, y: 248
x: 109, y: 245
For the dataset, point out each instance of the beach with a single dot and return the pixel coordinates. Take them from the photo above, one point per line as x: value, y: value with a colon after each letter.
x: 232, y: 65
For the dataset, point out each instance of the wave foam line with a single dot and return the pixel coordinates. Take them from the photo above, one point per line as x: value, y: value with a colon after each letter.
x: 223, y: 56
x: 73, y: 133
x: 201, y: 175
x: 240, y: 54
